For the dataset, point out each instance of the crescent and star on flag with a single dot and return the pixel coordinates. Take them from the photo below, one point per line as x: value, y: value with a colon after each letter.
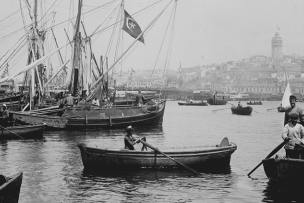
x: 132, y: 27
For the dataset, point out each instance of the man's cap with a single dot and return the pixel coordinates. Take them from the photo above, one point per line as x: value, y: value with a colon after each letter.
x: 129, y: 128
x: 4, y: 105
x: 294, y: 115
x: 292, y: 97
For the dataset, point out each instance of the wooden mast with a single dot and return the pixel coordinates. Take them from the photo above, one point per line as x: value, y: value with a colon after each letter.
x: 76, y: 50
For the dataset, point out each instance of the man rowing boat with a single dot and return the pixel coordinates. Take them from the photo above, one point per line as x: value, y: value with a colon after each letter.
x: 130, y: 141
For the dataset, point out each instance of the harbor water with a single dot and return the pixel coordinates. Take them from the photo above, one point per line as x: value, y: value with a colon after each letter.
x: 53, y: 170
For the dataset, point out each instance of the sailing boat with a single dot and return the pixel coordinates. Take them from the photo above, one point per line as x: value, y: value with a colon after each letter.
x: 81, y: 80
x: 285, y: 100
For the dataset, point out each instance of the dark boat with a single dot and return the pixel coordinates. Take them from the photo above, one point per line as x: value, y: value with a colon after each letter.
x: 200, y: 103
x: 242, y: 110
x: 281, y: 109
x: 284, y: 170
x: 36, y: 119
x: 10, y: 188
x: 10, y: 99
x: 22, y: 132
x: 216, y: 102
x: 86, y: 116
x: 254, y: 103
x: 117, y: 117
x: 205, y: 157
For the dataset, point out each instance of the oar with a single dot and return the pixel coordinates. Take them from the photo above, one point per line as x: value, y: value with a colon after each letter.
x: 179, y: 163
x: 256, y: 111
x: 219, y: 109
x: 11, y: 132
x: 269, y: 155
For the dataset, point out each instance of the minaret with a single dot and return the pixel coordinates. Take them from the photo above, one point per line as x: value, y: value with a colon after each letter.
x: 276, y: 45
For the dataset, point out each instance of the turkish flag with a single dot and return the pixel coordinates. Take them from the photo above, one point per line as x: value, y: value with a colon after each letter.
x: 132, y: 27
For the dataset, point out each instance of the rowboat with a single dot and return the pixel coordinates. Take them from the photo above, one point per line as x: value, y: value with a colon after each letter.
x: 241, y: 110
x: 284, y: 170
x: 22, y: 132
x: 254, y: 103
x: 10, y: 188
x: 193, y: 103
x: 205, y: 157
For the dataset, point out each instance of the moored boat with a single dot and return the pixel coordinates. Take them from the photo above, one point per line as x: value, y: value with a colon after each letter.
x: 78, y: 117
x: 217, y: 102
x: 36, y: 119
x: 241, y: 110
x: 284, y: 170
x: 22, y: 132
x: 205, y: 157
x: 10, y: 188
x: 254, y: 103
x: 200, y: 103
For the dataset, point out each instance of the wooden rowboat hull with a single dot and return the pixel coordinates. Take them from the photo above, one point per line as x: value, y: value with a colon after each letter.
x: 10, y: 190
x: 24, y: 131
x: 96, y: 158
x: 193, y: 104
x: 242, y: 111
x: 118, y: 117
x: 284, y: 170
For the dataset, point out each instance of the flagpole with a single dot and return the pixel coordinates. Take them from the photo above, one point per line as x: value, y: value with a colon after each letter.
x: 118, y: 59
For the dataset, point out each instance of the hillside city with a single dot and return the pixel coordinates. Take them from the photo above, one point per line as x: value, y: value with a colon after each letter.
x: 258, y: 75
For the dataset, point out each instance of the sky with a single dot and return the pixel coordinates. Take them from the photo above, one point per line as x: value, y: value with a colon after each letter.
x: 204, y: 32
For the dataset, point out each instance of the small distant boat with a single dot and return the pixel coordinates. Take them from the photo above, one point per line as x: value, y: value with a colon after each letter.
x: 254, y: 103
x: 22, y: 132
x: 193, y: 103
x: 10, y: 188
x: 284, y: 170
x: 285, y: 99
x: 209, y: 156
x: 242, y: 110
x: 216, y: 102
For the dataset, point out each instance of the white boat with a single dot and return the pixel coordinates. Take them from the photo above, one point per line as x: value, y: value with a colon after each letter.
x: 285, y: 99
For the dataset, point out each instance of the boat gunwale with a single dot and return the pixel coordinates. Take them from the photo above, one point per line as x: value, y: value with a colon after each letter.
x: 211, y: 150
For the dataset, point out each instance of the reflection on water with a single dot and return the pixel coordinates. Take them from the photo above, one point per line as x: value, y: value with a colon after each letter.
x: 283, y: 193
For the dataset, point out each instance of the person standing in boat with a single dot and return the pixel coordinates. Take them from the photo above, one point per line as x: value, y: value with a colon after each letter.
x: 239, y: 105
x: 4, y: 116
x: 292, y: 109
x: 130, y: 141
x: 70, y: 100
x: 36, y: 98
x: 293, y: 133
x: 140, y: 99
